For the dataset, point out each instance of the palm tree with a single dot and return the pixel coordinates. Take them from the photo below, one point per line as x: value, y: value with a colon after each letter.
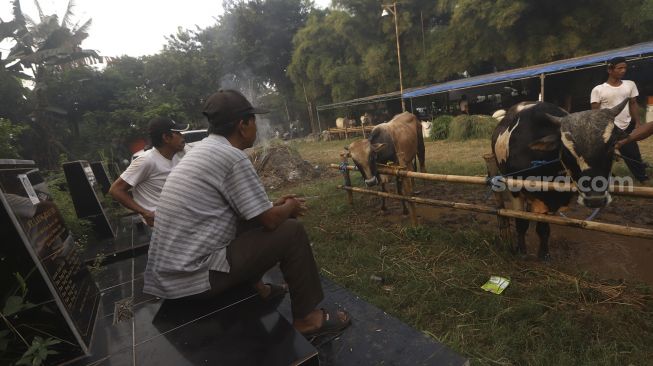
x: 45, y: 49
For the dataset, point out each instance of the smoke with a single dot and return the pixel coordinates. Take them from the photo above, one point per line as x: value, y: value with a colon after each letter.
x: 264, y: 131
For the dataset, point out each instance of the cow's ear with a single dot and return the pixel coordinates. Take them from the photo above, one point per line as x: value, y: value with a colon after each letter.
x: 377, y: 147
x: 546, y: 143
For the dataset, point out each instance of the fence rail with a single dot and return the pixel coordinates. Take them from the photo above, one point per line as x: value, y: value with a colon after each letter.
x: 502, y: 213
x: 622, y: 190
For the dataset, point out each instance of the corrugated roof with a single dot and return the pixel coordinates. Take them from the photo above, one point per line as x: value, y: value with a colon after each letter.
x: 638, y: 50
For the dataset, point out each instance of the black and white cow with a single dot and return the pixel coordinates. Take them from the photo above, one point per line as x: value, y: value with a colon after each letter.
x: 579, y: 145
x: 398, y: 142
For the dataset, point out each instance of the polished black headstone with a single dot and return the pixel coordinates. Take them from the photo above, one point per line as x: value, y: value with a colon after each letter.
x: 86, y: 194
x: 45, y: 289
x: 101, y: 175
x: 236, y: 328
x: 375, y: 337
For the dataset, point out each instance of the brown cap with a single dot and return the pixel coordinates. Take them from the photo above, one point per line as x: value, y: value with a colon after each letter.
x: 160, y: 125
x: 227, y: 106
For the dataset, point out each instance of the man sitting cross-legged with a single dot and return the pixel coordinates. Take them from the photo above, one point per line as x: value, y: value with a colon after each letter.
x: 196, y: 250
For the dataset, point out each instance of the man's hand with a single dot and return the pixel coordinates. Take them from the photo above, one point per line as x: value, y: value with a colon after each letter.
x: 280, y: 201
x: 288, y: 206
x: 299, y: 208
x: 148, y: 216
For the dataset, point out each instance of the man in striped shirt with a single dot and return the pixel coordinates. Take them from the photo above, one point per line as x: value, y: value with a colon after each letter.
x: 196, y: 251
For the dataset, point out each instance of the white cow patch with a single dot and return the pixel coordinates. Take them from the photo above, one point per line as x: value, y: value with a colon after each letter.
x: 569, y: 144
x: 502, y: 146
x: 524, y: 106
x: 608, y: 132
x: 426, y: 129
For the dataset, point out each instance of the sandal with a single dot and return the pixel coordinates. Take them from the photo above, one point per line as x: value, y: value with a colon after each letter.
x: 332, y: 325
x: 275, y: 291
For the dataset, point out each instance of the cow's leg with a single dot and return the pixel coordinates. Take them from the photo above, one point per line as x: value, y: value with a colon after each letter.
x: 522, y: 228
x: 543, y: 231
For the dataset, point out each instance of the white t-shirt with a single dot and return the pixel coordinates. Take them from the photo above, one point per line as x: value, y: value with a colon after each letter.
x: 609, y: 96
x: 147, y: 174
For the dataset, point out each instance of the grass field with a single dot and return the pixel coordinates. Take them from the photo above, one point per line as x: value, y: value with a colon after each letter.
x: 432, y: 277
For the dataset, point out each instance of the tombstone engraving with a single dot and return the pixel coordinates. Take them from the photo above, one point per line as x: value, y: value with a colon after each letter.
x: 86, y: 194
x: 45, y: 290
x: 101, y: 175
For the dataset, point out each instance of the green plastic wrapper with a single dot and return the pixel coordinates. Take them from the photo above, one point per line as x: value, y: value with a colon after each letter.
x: 496, y: 284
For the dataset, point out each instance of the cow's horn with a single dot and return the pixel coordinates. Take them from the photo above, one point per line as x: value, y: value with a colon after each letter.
x: 553, y: 119
x: 619, y: 107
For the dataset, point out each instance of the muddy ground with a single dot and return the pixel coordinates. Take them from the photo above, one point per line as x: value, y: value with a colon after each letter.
x: 607, y: 256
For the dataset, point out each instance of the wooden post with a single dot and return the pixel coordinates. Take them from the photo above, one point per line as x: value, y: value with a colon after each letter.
x: 347, y: 178
x: 503, y: 222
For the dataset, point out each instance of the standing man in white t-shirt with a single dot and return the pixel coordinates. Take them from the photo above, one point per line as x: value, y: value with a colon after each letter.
x: 146, y: 175
x: 613, y: 92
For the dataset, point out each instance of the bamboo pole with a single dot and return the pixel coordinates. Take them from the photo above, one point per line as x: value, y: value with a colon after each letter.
x: 347, y: 178
x: 514, y: 183
x: 556, y: 220
x: 502, y: 200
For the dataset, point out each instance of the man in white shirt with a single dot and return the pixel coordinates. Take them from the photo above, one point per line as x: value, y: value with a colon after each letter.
x: 146, y: 175
x: 613, y: 92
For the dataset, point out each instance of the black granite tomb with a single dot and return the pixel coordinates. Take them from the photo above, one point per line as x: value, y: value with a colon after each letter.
x: 101, y: 176
x: 45, y: 289
x: 86, y: 194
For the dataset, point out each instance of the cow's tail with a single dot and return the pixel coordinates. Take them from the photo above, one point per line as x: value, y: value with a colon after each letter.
x: 421, y: 150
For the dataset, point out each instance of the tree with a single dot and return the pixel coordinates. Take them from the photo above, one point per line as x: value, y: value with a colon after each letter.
x: 46, y: 48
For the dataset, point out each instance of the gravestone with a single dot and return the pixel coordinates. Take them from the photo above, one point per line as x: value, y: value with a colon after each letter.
x: 45, y: 290
x: 86, y: 194
x: 101, y: 176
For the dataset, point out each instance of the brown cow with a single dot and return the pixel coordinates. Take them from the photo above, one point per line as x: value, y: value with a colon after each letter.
x: 398, y: 142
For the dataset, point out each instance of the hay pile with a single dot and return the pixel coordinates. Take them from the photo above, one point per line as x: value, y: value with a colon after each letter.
x: 279, y: 164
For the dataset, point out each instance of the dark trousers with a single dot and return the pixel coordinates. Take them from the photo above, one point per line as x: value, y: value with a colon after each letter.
x: 633, y: 157
x: 256, y: 250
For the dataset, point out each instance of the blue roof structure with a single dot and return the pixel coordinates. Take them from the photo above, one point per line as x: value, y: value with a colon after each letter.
x: 638, y: 50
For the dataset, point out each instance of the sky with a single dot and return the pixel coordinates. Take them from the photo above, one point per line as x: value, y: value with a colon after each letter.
x: 129, y: 27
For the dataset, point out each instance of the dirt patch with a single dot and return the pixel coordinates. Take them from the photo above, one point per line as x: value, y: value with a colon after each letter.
x: 280, y: 165
x: 608, y: 256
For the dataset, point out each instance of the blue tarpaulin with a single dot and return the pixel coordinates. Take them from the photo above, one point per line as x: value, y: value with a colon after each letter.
x: 638, y: 50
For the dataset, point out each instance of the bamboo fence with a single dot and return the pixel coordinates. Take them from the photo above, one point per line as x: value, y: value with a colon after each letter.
x: 503, y: 214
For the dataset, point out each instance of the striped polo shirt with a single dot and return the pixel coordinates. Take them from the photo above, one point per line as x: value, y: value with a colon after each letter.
x: 213, y: 186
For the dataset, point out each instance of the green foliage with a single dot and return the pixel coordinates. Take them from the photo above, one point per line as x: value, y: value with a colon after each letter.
x: 82, y: 230
x: 440, y: 127
x: 9, y: 134
x: 17, y: 302
x: 466, y: 127
x: 4, y: 340
x: 97, y: 267
x: 38, y: 351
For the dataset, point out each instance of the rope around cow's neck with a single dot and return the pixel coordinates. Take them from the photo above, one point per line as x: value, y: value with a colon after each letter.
x: 591, y: 217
